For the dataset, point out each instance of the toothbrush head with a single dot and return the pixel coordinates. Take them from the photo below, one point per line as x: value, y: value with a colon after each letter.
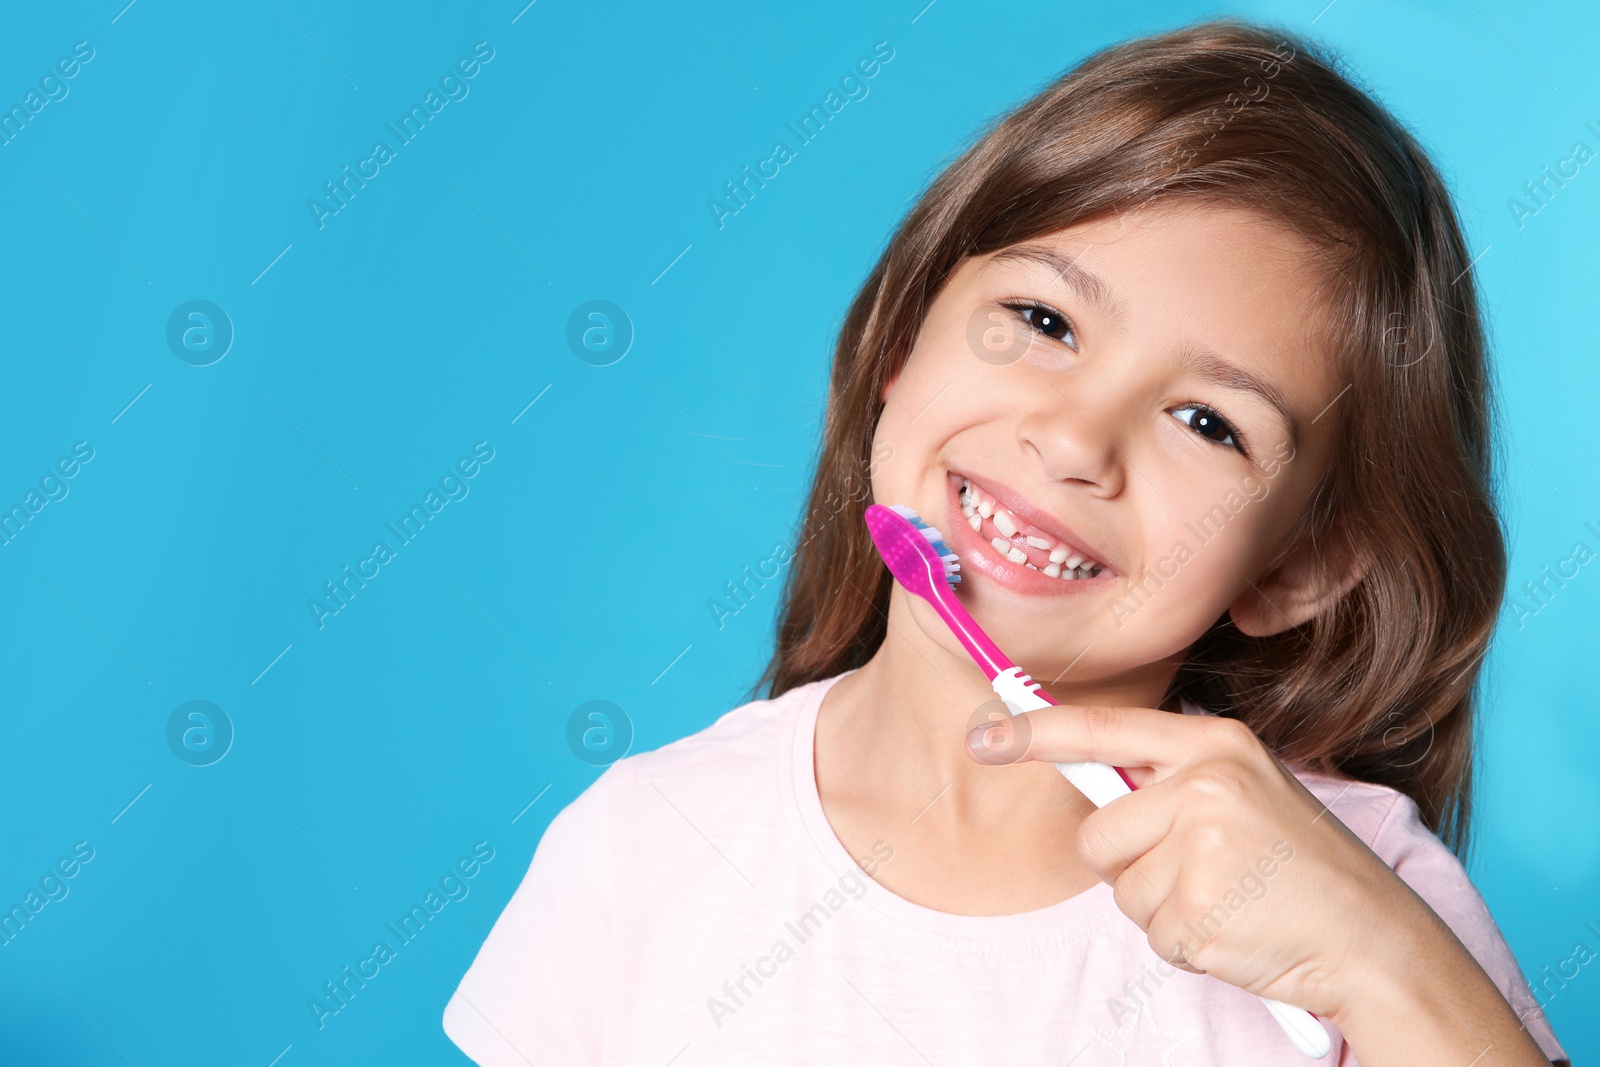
x: 914, y: 551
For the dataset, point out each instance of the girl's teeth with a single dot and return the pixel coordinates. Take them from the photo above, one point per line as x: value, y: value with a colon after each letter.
x: 1063, y: 564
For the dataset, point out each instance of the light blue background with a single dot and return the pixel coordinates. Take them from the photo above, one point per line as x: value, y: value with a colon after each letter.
x: 424, y: 317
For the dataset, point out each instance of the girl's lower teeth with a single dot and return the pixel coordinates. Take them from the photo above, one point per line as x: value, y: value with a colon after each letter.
x: 1063, y: 563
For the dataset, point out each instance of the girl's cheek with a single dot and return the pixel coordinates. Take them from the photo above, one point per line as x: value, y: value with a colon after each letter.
x: 1190, y: 573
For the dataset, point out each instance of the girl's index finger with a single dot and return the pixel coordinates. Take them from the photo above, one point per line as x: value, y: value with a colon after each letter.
x: 1096, y: 733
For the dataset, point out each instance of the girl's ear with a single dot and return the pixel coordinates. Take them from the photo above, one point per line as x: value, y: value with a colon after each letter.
x: 1309, y: 581
x: 888, y: 387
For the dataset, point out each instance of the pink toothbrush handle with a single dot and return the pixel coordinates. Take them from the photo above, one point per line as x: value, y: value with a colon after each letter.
x: 1097, y: 781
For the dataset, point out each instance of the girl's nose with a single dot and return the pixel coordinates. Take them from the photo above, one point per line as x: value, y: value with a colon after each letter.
x: 1075, y: 443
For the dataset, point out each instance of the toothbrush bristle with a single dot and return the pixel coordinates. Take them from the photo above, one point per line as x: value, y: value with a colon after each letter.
x: 895, y: 550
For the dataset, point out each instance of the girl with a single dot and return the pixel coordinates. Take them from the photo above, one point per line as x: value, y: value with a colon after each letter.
x: 1184, y: 359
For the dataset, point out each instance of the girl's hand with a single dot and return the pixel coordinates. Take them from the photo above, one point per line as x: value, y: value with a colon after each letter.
x: 1226, y: 861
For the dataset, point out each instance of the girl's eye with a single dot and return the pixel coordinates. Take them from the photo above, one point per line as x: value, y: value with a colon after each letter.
x: 1209, y: 423
x: 1045, y: 319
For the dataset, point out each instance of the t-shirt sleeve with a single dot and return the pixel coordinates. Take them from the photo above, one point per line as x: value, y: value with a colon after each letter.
x: 535, y: 993
x: 1417, y: 855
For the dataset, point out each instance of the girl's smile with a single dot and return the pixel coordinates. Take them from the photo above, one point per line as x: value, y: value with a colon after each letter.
x: 1063, y: 564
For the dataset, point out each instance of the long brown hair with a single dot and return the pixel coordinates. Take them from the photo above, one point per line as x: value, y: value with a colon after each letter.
x: 1378, y: 687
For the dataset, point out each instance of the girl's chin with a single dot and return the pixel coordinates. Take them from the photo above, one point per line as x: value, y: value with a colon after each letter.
x: 1044, y: 657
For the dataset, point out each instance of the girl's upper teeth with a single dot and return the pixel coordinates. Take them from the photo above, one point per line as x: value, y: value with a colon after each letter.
x: 1064, y: 563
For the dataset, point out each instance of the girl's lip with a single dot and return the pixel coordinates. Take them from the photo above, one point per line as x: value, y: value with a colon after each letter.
x: 978, y: 555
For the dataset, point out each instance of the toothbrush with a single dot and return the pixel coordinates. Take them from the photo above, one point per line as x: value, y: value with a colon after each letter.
x: 923, y: 564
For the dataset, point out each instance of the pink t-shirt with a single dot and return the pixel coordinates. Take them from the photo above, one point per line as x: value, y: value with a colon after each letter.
x: 693, y: 906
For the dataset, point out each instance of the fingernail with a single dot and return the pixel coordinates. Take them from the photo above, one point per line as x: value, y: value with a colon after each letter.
x: 986, y: 742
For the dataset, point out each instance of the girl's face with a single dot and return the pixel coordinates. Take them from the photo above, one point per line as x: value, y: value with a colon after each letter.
x: 1142, y: 395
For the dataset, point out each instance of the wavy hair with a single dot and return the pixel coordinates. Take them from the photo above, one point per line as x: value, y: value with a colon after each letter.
x: 1378, y: 687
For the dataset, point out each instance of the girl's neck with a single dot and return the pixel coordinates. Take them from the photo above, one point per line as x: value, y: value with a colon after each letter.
x: 900, y: 722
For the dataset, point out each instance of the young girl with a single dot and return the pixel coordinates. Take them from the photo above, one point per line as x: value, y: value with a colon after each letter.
x: 1184, y: 360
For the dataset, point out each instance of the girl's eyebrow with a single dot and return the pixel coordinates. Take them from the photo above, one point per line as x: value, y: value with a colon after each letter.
x: 1094, y: 291
x: 1090, y: 287
x: 1212, y: 367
